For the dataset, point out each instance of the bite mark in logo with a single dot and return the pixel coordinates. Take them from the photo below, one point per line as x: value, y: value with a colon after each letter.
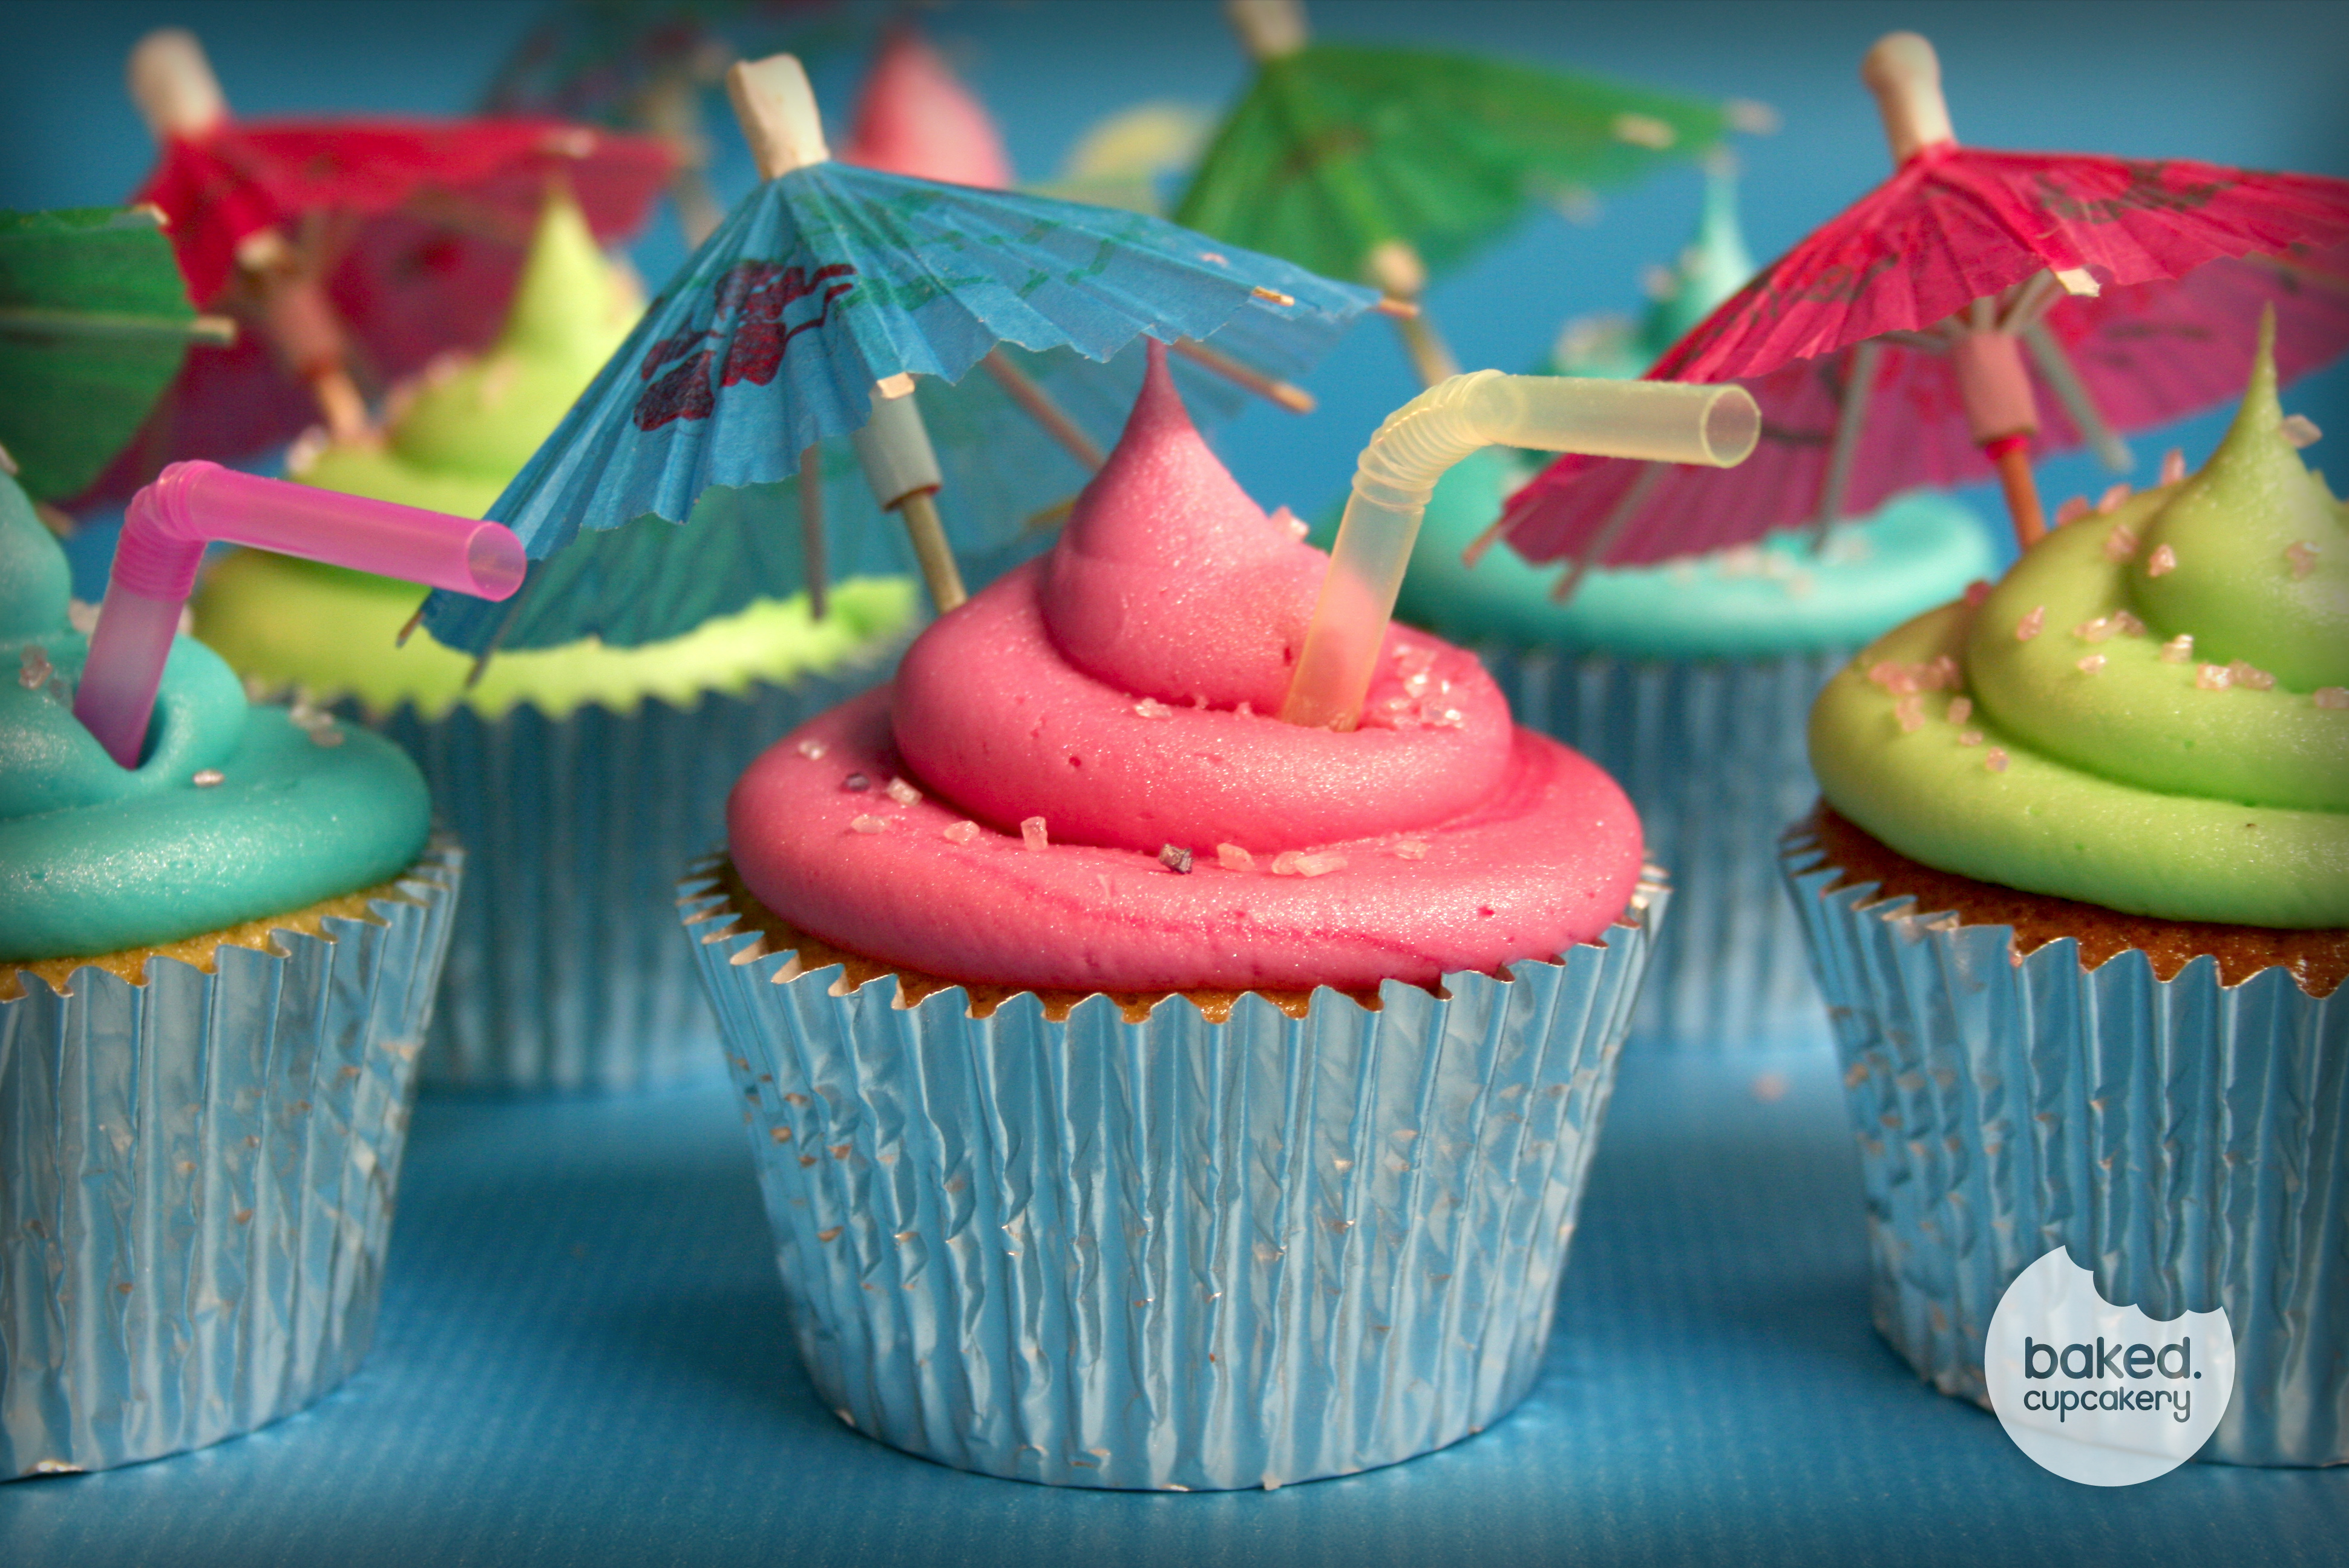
x: 2099, y: 1394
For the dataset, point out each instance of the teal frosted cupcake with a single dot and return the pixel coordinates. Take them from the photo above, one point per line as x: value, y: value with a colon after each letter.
x: 216, y: 970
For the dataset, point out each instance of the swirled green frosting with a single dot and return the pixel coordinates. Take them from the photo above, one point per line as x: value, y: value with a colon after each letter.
x: 96, y: 858
x: 2149, y: 713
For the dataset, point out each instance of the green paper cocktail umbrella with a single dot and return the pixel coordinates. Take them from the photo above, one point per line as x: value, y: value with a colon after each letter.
x: 1385, y: 165
x: 94, y: 321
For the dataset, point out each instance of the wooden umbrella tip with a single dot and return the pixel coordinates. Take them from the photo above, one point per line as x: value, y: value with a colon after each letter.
x: 173, y: 85
x: 1905, y: 75
x: 776, y: 108
x: 1268, y: 29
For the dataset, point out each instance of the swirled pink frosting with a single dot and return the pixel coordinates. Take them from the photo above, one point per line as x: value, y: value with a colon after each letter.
x: 1120, y: 690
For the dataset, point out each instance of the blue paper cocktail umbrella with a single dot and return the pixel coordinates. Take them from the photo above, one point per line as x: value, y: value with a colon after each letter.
x: 808, y: 317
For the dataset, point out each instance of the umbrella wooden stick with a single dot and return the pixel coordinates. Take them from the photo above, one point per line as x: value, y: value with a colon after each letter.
x: 180, y: 100
x: 812, y: 545
x: 1272, y: 389
x: 1651, y: 476
x: 2055, y: 369
x: 1394, y: 267
x: 1038, y: 405
x: 1859, y: 380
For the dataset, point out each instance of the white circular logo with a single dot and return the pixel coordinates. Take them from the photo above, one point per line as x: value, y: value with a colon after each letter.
x: 2099, y: 1394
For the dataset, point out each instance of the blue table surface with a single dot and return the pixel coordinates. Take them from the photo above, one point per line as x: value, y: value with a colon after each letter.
x: 582, y: 1360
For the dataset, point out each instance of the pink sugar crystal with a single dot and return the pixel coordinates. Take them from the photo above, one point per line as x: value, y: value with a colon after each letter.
x: 325, y: 735
x: 2178, y: 649
x: 2112, y: 498
x: 2094, y: 631
x: 2032, y: 624
x: 2129, y: 625
x: 1960, y: 708
x: 1943, y: 674
x: 2300, y: 430
x: 1970, y: 737
x: 2073, y: 511
x: 2173, y: 466
x: 2120, y: 545
x: 2091, y: 664
x: 1994, y: 759
x: 1910, y: 713
x: 1881, y: 673
x: 2333, y: 697
x: 2214, y: 677
x: 33, y: 667
x: 868, y: 824
x: 959, y: 832
x: 2246, y: 673
x: 2302, y: 553
x: 2164, y: 562
x: 905, y: 794
x: 1032, y: 835
x: 1151, y: 708
x: 1232, y: 858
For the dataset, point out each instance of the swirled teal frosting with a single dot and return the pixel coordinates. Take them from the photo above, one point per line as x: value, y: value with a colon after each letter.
x: 1777, y: 597
x: 95, y: 858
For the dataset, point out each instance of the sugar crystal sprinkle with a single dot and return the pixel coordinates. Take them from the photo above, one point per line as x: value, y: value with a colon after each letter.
x: 2214, y: 677
x: 2301, y: 554
x: 2333, y: 697
x: 2300, y: 430
x: 1032, y: 835
x: 2165, y: 561
x: 905, y: 794
x: 206, y: 778
x: 1960, y: 708
x: 2032, y: 624
x: 1410, y: 848
x: 2073, y: 511
x: 1994, y: 759
x: 325, y: 735
x: 2094, y: 631
x: 2120, y: 545
x: 1232, y: 858
x: 1300, y: 863
x: 1151, y: 708
x: 2173, y: 466
x: 2113, y: 498
x: 959, y: 832
x: 1976, y: 592
x: 2091, y: 664
x: 1970, y: 737
x: 2129, y: 625
x: 812, y: 748
x: 868, y: 824
x: 33, y: 669
x: 1910, y: 711
x: 1175, y: 859
x: 2178, y: 649
x: 856, y: 783
x: 2249, y: 674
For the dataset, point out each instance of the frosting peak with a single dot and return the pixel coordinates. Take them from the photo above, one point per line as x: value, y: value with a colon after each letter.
x: 1169, y: 581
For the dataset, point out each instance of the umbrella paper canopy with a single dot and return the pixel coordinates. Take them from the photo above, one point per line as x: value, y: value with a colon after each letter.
x: 94, y: 324
x: 1974, y: 302
x: 826, y: 281
x: 379, y: 245
x: 1388, y: 164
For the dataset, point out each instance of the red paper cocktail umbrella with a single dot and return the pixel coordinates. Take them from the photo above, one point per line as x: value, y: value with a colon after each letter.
x: 356, y: 249
x: 1974, y: 304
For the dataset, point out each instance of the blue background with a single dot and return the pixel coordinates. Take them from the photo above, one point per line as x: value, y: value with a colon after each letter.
x: 581, y: 1359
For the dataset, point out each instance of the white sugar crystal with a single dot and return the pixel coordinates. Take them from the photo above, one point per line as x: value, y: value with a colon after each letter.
x: 1961, y: 709
x: 2165, y: 561
x: 325, y: 735
x: 2120, y: 545
x: 33, y: 667
x: 2178, y: 649
x: 1411, y: 850
x: 2032, y: 624
x: 1284, y: 864
x: 1151, y: 708
x: 2094, y: 631
x: 205, y: 778
x: 1970, y: 737
x: 812, y: 748
x: 1232, y: 858
x: 2091, y: 664
x: 2214, y: 677
x: 2129, y: 625
x: 905, y: 794
x: 1032, y: 835
x: 863, y: 824
x: 959, y: 832
x: 1321, y: 862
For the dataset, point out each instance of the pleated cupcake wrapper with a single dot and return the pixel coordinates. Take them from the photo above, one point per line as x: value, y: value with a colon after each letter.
x: 1172, y: 1254
x: 1712, y: 756
x: 196, y: 1182
x: 566, y: 972
x: 2187, y: 1142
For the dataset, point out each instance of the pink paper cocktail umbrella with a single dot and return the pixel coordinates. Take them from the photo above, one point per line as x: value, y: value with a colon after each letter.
x: 1975, y: 305
x: 194, y: 505
x: 373, y: 245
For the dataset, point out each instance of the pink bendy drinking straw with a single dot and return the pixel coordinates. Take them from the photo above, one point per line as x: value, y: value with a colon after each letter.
x: 189, y: 505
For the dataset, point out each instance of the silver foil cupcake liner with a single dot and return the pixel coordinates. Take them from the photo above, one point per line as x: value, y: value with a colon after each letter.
x: 196, y: 1182
x: 1712, y: 756
x: 2187, y: 1142
x: 1172, y: 1254
x: 566, y: 972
